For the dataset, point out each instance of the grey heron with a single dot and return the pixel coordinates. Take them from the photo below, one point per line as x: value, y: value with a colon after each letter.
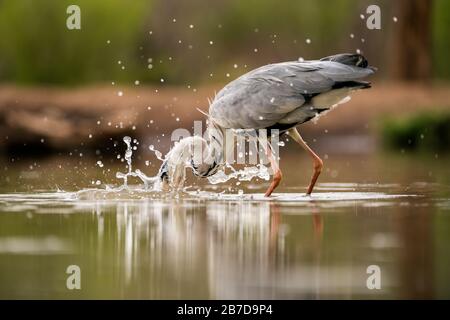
x: 276, y: 96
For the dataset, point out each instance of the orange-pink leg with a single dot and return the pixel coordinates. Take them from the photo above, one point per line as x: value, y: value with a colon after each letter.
x: 317, y: 162
x: 277, y: 175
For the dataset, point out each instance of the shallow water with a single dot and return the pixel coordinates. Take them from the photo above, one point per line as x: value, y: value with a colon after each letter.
x: 219, y: 242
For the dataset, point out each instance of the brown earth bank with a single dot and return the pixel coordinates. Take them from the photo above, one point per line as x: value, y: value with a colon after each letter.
x: 89, y: 117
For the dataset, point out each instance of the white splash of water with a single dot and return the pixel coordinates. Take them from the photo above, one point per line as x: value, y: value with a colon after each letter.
x: 246, y: 174
x: 157, y: 153
x: 176, y: 161
x: 150, y: 183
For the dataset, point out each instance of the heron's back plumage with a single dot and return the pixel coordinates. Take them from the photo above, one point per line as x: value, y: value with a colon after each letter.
x: 283, y: 95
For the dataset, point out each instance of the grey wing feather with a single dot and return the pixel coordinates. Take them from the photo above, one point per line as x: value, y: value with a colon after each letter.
x: 264, y: 96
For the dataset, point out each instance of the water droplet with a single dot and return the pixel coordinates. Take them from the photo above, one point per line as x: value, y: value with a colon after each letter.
x: 120, y: 93
x: 395, y: 19
x: 136, y: 82
x: 191, y: 26
x: 308, y: 41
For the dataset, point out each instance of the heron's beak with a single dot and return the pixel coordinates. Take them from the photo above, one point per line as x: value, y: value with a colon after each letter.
x: 374, y: 69
x: 163, y: 174
x: 165, y: 185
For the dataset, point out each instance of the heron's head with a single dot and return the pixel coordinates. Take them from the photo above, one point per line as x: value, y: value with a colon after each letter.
x: 206, y: 155
x: 206, y: 169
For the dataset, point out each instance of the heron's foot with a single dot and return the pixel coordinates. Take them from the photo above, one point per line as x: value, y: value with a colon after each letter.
x: 275, y: 182
x: 318, y: 165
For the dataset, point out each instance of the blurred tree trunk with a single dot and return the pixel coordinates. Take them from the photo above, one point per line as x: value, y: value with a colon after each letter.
x: 413, y: 50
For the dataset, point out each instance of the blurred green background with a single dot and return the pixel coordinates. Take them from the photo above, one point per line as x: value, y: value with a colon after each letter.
x: 194, y: 41
x: 174, y: 54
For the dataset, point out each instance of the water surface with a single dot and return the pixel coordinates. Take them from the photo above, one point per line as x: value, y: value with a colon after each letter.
x: 217, y: 242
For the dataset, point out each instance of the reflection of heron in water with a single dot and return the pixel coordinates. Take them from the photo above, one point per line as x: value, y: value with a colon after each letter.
x: 317, y: 224
x: 275, y: 223
x: 278, y: 96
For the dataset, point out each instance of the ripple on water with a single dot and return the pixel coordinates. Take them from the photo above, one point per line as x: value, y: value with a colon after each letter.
x: 301, y: 197
x: 32, y: 202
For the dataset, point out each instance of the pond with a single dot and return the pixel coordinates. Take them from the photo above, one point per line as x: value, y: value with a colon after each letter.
x: 388, y: 211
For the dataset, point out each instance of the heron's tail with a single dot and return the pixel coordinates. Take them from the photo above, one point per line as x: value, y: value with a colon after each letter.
x: 351, y: 59
x: 352, y: 84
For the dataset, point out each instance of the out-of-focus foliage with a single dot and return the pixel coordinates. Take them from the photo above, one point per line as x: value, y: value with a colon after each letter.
x: 36, y: 46
x: 441, y: 38
x: 249, y: 33
x: 421, y: 132
x: 285, y: 27
x: 188, y: 41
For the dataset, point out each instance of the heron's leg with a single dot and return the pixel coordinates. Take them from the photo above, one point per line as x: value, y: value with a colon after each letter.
x: 276, y: 172
x: 317, y: 162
